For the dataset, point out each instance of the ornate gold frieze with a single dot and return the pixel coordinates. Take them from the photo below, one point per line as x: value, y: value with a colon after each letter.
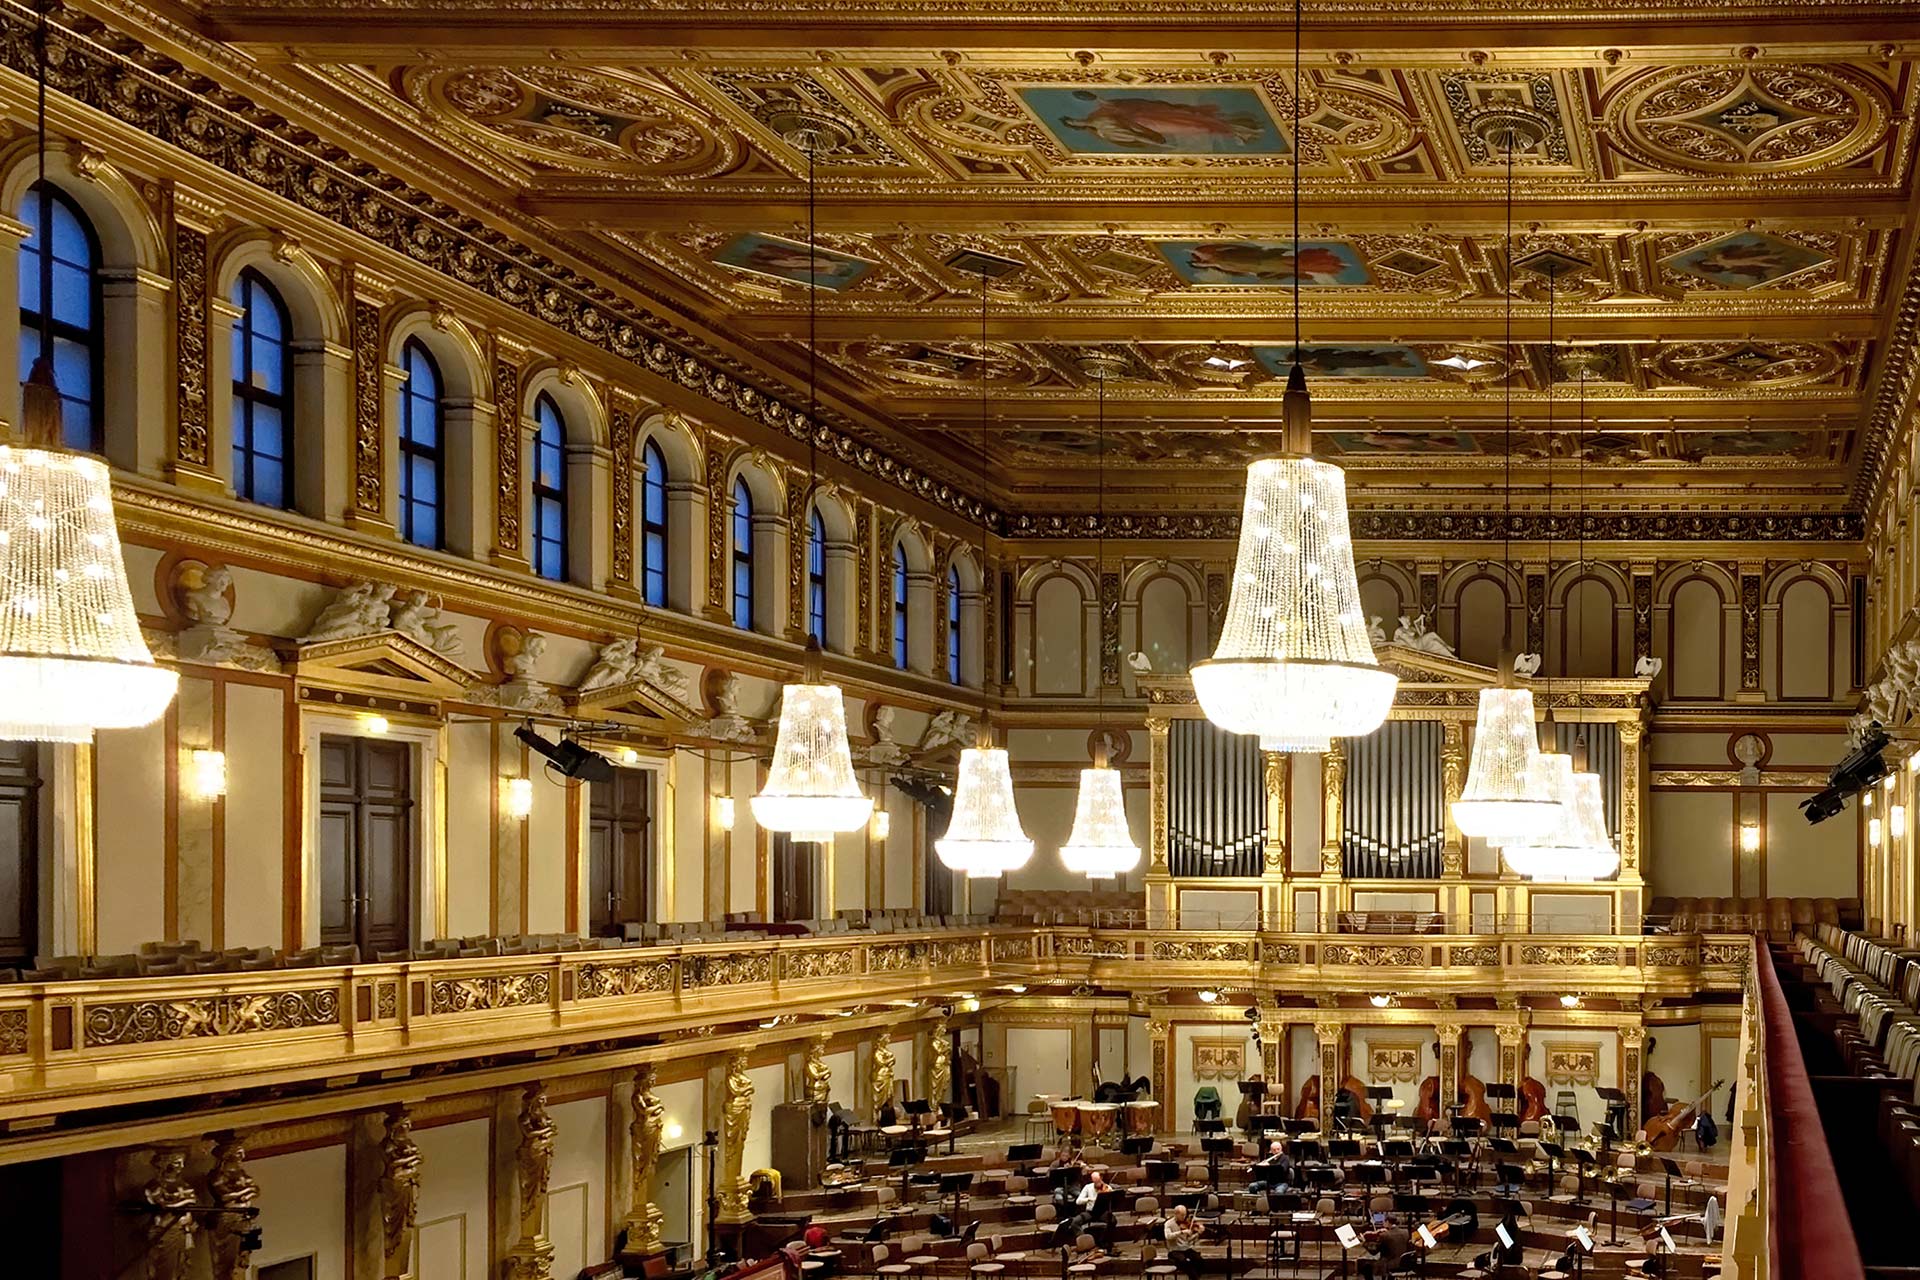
x: 1725, y: 953
x: 190, y: 345
x: 1393, y: 1061
x: 13, y: 1032
x: 152, y: 1021
x: 1076, y: 945
x: 1372, y: 956
x: 797, y: 965
x: 1474, y: 955
x: 1406, y: 525
x: 1568, y: 954
x: 1575, y: 1063
x: 1015, y: 948
x: 728, y: 970
x: 952, y: 955
x: 641, y: 977
x: 1280, y: 952
x: 1677, y: 956
x: 1211, y: 951
x: 895, y: 956
x: 489, y: 991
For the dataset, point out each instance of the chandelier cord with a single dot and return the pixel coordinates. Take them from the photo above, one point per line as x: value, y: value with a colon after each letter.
x: 1296, y: 182
x: 1548, y: 521
x: 1580, y: 533
x: 984, y: 709
x: 1506, y: 442
x: 813, y: 322
x: 1100, y: 553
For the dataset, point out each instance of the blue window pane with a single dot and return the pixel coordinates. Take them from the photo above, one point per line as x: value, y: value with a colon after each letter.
x: 422, y: 428
x: 73, y: 368
x: 265, y: 436
x: 29, y: 276
x: 76, y: 424
x: 268, y: 483
x: 268, y: 368
x: 547, y: 466
x: 423, y: 529
x: 73, y: 295
x: 264, y: 314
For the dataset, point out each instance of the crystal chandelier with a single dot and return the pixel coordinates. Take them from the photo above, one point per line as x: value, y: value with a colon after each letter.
x: 810, y: 790
x: 1100, y: 846
x: 1577, y: 846
x: 984, y: 837
x: 1294, y: 665
x: 72, y: 659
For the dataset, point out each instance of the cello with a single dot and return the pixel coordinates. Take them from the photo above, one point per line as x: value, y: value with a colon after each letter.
x: 1663, y: 1132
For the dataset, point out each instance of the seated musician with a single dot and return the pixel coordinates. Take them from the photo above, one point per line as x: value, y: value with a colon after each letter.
x: 1086, y: 1204
x: 1273, y: 1172
x: 1182, y: 1232
x: 1070, y: 1157
x: 1390, y: 1244
x: 1345, y: 1106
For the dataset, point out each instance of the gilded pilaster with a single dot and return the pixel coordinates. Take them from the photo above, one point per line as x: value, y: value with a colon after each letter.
x: 1633, y: 1053
x: 1448, y: 1034
x: 1159, y: 1070
x: 509, y: 358
x: 1277, y: 776
x: 645, y: 1219
x: 235, y: 1193
x: 1331, y: 1037
x: 622, y: 422
x: 1751, y: 595
x: 193, y: 218
x: 736, y: 1113
x: 1633, y: 788
x: 1110, y: 630
x: 1513, y: 1054
x: 367, y: 294
x: 863, y: 579
x: 816, y: 1075
x: 1158, y: 728
x: 1453, y: 775
x: 799, y: 541
x: 719, y: 508
x: 1333, y: 783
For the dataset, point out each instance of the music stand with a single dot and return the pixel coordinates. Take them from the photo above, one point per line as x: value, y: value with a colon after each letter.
x: 1616, y: 1101
x: 1513, y: 1179
x: 1603, y: 1134
x: 1555, y: 1152
x: 1161, y: 1172
x: 1613, y: 1212
x: 1584, y: 1160
x: 1396, y: 1150
x: 1339, y: 1149
x: 1349, y: 1241
x: 1673, y: 1171
x: 903, y: 1158
x: 1210, y: 1126
x: 1298, y: 1127
x: 1022, y: 1156
x: 1580, y: 1245
x: 1377, y: 1095
x: 1136, y: 1146
x: 1215, y: 1148
x: 953, y: 1184
x: 1307, y: 1149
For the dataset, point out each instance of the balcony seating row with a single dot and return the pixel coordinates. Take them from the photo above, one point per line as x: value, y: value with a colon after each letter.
x: 1869, y: 994
x: 1778, y: 918
x: 1071, y: 906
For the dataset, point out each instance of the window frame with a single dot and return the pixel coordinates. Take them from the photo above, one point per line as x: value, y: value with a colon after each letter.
x: 542, y: 495
x: 654, y: 537
x: 817, y: 577
x: 409, y: 449
x: 954, y: 673
x: 249, y: 285
x: 744, y: 575
x: 902, y: 645
x: 91, y: 339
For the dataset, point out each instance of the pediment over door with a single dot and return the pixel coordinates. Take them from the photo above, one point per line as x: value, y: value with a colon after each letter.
x: 639, y: 703
x: 384, y: 661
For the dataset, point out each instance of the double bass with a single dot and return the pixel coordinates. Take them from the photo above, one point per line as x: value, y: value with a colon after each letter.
x: 1533, y: 1100
x: 1471, y: 1096
x: 1663, y: 1132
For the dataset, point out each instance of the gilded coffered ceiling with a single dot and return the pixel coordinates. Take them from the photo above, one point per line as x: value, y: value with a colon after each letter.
x: 1713, y: 217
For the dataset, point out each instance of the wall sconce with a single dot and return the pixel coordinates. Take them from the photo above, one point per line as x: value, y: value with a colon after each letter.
x: 1866, y: 799
x: 723, y: 813
x: 1913, y: 763
x: 1381, y: 1002
x: 1873, y: 833
x: 207, y: 774
x: 1886, y: 784
x: 627, y: 755
x: 881, y: 825
x: 1897, y: 821
x: 672, y: 1131
x: 1749, y: 837
x: 1208, y: 995
x: 516, y: 796
x: 376, y: 725
x: 1570, y: 1001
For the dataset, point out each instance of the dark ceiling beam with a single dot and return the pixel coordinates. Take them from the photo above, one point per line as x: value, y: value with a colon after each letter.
x: 610, y: 34
x: 960, y: 414
x: 1381, y: 209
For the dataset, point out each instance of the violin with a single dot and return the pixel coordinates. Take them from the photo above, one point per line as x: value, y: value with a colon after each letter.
x: 1663, y: 1132
x: 1533, y: 1100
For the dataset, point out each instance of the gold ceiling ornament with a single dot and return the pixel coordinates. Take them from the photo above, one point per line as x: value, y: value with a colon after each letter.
x: 1749, y: 118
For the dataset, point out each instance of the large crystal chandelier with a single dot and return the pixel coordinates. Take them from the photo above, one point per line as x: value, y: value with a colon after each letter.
x: 810, y: 790
x: 72, y: 659
x: 1506, y: 795
x: 1100, y: 846
x: 1294, y: 665
x: 984, y: 837
x: 1576, y: 847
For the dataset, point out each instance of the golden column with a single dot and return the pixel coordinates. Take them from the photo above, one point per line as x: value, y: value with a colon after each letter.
x: 1332, y: 1038
x: 1448, y: 1033
x: 1159, y: 1033
x: 1333, y: 786
x: 1453, y: 776
x: 531, y: 1257
x: 644, y: 1218
x: 1633, y: 1064
x: 1633, y: 786
x: 1277, y: 775
x: 1158, y: 730
x: 736, y: 1111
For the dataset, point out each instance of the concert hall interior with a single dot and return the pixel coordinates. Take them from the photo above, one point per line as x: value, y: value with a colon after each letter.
x: 959, y: 639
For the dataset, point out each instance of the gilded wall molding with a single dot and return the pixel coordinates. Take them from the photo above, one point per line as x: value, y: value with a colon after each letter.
x: 1401, y: 525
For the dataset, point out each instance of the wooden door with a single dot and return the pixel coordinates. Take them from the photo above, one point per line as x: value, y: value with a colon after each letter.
x: 619, y: 850
x: 366, y: 844
x: 19, y: 853
x: 793, y: 876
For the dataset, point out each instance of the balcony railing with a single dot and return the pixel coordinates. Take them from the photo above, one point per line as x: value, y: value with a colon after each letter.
x: 84, y: 1044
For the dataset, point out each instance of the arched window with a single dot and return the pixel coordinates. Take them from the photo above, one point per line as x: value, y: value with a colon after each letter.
x: 549, y: 490
x: 742, y: 556
x: 953, y: 625
x: 262, y: 405
x: 423, y: 449
x: 63, y: 285
x: 817, y: 578
x: 900, y: 606
x: 653, y: 525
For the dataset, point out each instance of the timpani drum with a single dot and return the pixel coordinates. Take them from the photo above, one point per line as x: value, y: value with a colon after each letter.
x: 1066, y: 1117
x: 1097, y: 1120
x: 1140, y: 1118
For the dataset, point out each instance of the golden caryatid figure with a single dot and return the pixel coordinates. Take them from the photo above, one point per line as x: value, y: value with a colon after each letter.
x: 737, y: 1111
x: 939, y: 1064
x: 169, y: 1220
x: 645, y: 1220
x: 881, y: 1090
x: 236, y: 1193
x: 399, y: 1190
x: 818, y: 1076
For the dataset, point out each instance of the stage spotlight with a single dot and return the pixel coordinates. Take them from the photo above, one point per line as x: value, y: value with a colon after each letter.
x: 569, y: 757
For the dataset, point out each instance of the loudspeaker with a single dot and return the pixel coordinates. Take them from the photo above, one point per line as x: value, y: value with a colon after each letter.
x: 799, y: 1143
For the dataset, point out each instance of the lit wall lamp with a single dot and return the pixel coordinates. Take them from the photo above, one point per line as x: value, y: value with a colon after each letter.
x: 1381, y: 1002
x: 628, y: 756
x: 723, y: 813
x: 881, y: 825
x: 1873, y: 833
x: 516, y: 796
x: 1913, y: 763
x: 376, y: 725
x: 1886, y: 784
x: 1749, y: 837
x: 1570, y: 1001
x: 673, y: 1131
x: 1208, y: 995
x: 1897, y: 821
x: 207, y: 774
x: 1866, y: 799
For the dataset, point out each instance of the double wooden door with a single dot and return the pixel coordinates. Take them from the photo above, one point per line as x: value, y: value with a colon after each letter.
x: 619, y: 849
x: 19, y: 853
x: 366, y: 844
